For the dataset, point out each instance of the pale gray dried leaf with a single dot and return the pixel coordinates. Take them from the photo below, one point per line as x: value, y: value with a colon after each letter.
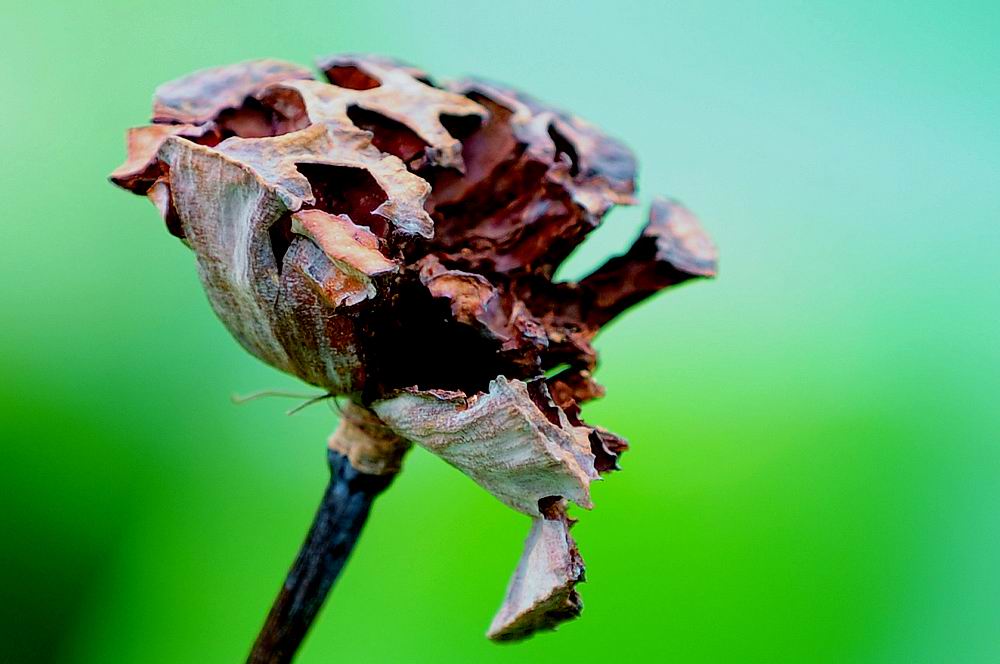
x: 501, y: 439
x: 227, y: 209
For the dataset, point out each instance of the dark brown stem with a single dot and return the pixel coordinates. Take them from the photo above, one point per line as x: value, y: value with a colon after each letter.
x: 334, y: 531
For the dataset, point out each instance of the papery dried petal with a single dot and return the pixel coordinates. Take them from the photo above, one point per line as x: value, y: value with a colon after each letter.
x: 398, y: 96
x: 201, y: 96
x: 226, y: 211
x: 141, y: 167
x: 345, y: 243
x: 276, y: 161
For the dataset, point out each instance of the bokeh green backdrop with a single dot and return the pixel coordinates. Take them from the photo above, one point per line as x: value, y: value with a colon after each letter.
x: 815, y: 474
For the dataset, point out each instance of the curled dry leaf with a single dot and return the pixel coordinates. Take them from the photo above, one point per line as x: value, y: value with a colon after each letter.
x: 395, y: 242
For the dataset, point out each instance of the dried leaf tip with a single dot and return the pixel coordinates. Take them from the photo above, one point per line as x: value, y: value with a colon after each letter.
x: 542, y: 593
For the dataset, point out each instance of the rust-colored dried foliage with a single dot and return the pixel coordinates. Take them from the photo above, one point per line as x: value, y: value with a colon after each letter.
x: 394, y: 241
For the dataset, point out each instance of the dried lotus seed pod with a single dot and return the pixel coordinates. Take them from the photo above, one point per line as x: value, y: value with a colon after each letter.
x: 394, y: 241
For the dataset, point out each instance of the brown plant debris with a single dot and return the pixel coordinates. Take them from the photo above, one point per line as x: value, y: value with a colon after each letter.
x: 542, y: 592
x: 395, y: 242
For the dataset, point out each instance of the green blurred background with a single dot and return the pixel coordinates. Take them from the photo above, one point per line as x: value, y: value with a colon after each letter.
x: 815, y: 473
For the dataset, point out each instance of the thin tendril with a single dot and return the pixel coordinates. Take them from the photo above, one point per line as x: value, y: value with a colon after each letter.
x: 310, y: 399
x: 306, y: 404
x: 253, y: 396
